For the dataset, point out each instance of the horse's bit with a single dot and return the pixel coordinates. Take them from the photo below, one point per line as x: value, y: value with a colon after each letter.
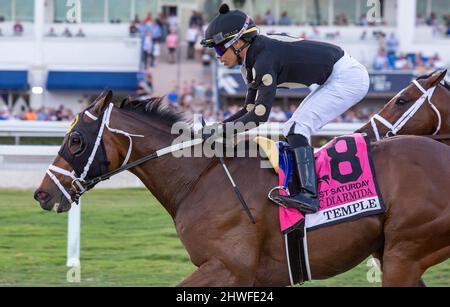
x: 398, y: 125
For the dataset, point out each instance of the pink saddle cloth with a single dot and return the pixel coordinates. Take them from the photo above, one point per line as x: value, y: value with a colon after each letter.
x: 346, y: 183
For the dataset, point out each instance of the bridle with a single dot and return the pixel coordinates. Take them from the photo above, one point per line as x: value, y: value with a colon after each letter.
x: 79, y: 184
x: 398, y: 125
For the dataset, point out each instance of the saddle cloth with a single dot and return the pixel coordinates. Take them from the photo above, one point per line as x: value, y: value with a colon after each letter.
x: 346, y: 182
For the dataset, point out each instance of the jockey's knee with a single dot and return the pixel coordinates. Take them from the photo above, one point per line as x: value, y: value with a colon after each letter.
x: 295, y: 139
x: 295, y: 128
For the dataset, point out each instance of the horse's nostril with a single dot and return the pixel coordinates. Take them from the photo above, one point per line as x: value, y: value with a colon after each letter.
x: 40, y: 195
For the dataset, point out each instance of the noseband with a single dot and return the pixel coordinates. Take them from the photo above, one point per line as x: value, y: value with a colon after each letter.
x: 398, y: 125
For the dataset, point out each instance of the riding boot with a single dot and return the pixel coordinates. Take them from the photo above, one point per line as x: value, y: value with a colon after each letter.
x: 306, y: 201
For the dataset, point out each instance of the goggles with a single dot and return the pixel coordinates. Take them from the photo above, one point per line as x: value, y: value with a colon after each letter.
x: 220, y: 50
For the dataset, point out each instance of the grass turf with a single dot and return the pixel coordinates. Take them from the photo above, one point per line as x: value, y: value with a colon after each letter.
x: 127, y: 239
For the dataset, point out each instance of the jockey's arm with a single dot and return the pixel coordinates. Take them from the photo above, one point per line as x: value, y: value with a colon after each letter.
x: 249, y: 103
x: 260, y: 96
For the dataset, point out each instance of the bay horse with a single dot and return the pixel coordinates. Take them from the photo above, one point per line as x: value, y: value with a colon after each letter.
x: 422, y: 108
x: 413, y: 174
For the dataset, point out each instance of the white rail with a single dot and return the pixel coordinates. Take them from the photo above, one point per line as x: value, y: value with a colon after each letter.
x: 19, y: 129
x: 28, y: 150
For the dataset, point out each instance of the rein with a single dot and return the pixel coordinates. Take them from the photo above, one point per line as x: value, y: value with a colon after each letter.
x: 153, y: 155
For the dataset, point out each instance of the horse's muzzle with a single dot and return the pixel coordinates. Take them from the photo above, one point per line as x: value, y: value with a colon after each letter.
x: 43, y: 198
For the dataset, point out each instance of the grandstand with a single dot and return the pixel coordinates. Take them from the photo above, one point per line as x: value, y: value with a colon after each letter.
x: 49, y: 58
x: 47, y: 65
x: 53, y: 64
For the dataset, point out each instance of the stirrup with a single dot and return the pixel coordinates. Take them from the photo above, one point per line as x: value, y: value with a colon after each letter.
x: 275, y: 197
x: 292, y: 201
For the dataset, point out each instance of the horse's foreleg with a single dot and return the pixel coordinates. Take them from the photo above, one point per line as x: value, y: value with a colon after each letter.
x: 401, y: 273
x: 422, y: 283
x: 379, y: 257
x: 215, y: 273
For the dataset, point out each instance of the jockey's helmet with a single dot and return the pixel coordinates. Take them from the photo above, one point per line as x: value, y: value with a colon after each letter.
x: 227, y: 27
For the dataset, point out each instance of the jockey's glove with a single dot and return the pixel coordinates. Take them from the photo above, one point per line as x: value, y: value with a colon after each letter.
x: 213, y: 132
x: 216, y: 134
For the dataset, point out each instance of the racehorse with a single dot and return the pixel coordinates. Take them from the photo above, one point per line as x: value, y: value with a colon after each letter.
x: 413, y: 174
x: 422, y: 108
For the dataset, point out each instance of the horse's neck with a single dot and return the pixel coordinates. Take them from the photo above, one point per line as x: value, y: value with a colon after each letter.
x: 445, y: 111
x: 168, y: 178
x: 368, y: 130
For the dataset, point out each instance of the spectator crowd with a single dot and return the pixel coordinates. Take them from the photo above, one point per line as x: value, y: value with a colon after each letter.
x: 160, y: 36
x: 163, y: 31
x: 389, y: 57
x: 277, y: 114
x: 61, y: 113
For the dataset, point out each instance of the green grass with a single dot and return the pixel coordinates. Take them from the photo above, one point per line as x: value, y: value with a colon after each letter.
x: 127, y: 239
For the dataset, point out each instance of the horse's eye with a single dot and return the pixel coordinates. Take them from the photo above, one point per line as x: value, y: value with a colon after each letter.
x: 76, y: 144
x: 401, y: 101
x: 76, y: 140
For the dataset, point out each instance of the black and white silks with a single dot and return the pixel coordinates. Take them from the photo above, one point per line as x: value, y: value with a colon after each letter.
x: 281, y: 62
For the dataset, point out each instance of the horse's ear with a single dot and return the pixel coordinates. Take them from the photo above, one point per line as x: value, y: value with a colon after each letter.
x: 102, y: 101
x: 436, y: 77
x: 124, y: 102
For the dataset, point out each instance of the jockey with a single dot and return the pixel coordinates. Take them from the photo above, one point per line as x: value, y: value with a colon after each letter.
x: 283, y: 61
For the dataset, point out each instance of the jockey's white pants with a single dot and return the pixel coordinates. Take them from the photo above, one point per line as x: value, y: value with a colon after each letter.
x: 347, y: 85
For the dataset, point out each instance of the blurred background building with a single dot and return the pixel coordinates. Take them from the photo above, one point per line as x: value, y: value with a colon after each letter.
x: 57, y: 55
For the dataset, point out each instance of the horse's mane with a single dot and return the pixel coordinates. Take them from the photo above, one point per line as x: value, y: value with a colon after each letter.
x: 152, y: 108
x: 446, y: 85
